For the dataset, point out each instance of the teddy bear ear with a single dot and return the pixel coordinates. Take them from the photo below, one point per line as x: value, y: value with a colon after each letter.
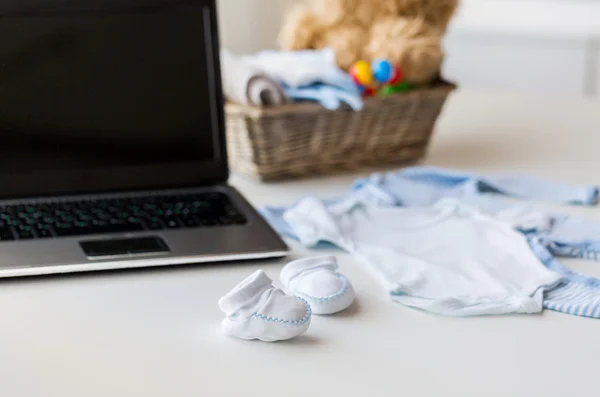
x: 408, y: 8
x: 333, y: 12
x: 300, y: 29
x: 439, y: 12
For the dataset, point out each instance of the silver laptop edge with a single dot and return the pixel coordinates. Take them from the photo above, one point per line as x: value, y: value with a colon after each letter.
x: 132, y: 264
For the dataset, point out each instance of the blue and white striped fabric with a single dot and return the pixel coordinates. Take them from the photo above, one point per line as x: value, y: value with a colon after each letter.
x: 574, y: 298
x: 576, y: 294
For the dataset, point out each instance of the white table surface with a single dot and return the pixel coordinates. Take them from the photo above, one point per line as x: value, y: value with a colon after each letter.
x: 156, y: 332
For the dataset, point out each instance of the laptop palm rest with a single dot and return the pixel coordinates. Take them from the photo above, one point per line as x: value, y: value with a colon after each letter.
x: 124, y: 247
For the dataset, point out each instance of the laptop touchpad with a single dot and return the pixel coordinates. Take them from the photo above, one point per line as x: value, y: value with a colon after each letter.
x: 124, y: 247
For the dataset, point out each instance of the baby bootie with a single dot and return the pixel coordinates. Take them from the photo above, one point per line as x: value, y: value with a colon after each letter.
x: 317, y: 281
x: 257, y: 310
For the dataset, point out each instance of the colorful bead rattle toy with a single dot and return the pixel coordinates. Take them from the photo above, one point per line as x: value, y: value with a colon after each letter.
x: 382, y: 72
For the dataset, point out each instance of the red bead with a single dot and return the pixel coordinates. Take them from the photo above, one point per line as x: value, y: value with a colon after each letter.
x: 369, y: 91
x: 397, y: 76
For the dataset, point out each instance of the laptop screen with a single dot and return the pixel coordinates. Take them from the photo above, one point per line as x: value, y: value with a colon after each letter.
x: 117, y: 91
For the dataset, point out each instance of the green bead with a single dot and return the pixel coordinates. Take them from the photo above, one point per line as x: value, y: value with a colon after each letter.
x: 387, y: 90
x: 403, y: 87
x: 395, y: 89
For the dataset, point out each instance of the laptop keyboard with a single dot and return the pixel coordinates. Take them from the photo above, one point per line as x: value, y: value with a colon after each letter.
x: 79, y: 218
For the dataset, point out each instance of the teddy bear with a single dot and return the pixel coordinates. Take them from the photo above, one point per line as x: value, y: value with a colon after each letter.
x: 408, y: 33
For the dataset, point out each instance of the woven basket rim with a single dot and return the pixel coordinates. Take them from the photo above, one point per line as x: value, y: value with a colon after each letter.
x: 441, y: 88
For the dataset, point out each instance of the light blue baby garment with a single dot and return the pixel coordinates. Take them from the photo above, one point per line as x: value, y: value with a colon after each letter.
x: 419, y: 186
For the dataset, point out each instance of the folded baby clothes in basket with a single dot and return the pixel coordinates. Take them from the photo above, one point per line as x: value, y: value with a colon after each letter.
x: 247, y: 85
x: 310, y: 75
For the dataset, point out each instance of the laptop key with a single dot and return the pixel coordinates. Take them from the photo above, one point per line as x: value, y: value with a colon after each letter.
x: 6, y: 234
x: 153, y: 223
x: 14, y: 222
x: 223, y: 220
x: 172, y: 223
x: 63, y: 226
x: 207, y: 222
x: 25, y: 232
x: 43, y: 231
x: 189, y: 221
x: 238, y: 219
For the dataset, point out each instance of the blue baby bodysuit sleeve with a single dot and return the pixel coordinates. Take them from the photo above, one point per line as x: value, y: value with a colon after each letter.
x: 423, y: 186
x: 576, y: 294
x: 573, y: 237
x: 523, y: 187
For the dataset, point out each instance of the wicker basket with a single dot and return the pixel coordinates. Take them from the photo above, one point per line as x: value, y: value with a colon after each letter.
x: 304, y: 139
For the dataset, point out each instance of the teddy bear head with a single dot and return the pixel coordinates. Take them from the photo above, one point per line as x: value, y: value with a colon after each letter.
x: 406, y: 32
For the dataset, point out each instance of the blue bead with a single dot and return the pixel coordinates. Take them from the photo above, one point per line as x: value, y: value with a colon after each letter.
x: 382, y: 70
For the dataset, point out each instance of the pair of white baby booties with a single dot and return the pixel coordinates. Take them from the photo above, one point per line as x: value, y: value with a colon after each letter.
x: 255, y: 309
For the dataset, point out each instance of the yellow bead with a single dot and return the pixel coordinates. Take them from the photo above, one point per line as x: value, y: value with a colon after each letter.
x: 361, y: 73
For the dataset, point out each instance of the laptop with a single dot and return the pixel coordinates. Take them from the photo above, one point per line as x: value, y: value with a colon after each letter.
x: 112, y: 144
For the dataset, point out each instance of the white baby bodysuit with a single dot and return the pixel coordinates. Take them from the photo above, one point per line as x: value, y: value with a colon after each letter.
x: 448, y: 259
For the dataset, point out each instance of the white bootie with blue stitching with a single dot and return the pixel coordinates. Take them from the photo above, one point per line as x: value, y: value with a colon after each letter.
x: 317, y: 281
x: 255, y: 309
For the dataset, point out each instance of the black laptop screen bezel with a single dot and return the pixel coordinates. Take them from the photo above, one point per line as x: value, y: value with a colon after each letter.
x: 119, y: 178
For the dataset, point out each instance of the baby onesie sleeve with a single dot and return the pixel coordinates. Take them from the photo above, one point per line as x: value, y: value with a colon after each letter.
x: 576, y: 294
x: 539, y: 189
x: 573, y: 237
x: 311, y: 222
x: 523, y: 187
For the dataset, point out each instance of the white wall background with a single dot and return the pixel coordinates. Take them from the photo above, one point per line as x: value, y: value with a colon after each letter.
x: 541, y: 46
x: 250, y: 25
